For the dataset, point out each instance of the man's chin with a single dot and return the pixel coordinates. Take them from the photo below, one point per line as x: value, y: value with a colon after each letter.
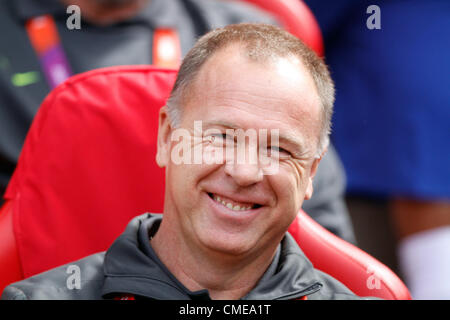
x: 229, y: 245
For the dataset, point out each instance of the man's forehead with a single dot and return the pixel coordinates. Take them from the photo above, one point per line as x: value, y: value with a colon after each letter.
x: 229, y: 73
x: 233, y: 58
x: 236, y: 54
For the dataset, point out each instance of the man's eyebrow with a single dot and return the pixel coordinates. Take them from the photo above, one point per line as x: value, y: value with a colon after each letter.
x: 221, y: 123
x: 296, y: 141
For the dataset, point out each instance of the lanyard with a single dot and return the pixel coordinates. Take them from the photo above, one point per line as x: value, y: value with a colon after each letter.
x: 46, y: 42
x: 47, y: 45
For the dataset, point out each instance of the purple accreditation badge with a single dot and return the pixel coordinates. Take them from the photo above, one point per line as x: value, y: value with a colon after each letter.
x: 55, y: 66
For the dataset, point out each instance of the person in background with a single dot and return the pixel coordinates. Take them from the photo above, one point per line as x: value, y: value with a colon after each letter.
x: 391, y: 125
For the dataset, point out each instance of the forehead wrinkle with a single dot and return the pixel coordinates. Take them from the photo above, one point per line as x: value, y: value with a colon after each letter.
x: 293, y: 112
x: 300, y: 106
x: 221, y: 123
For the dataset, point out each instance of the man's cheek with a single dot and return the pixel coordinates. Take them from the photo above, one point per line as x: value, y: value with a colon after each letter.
x: 297, y: 188
x: 295, y: 173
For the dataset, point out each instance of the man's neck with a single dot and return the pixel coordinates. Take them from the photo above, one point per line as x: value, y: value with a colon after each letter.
x: 224, y: 276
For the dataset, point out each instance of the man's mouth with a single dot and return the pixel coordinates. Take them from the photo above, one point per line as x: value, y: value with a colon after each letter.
x: 232, y: 204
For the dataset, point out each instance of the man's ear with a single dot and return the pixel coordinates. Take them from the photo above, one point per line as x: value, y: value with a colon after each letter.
x: 164, y: 134
x: 312, y: 173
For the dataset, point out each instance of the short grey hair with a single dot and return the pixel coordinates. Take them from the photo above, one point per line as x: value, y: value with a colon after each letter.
x: 261, y: 42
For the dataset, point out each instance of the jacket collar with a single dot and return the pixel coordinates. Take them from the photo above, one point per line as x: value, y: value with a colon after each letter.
x: 131, y: 266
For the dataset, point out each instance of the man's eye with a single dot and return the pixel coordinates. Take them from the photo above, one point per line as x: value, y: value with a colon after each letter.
x: 219, y: 139
x: 276, y: 151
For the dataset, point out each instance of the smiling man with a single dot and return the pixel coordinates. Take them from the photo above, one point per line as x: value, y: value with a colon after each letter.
x: 246, y: 85
x: 223, y: 234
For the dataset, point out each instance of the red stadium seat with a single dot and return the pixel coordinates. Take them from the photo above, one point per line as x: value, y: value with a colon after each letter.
x: 91, y: 146
x: 88, y: 166
x: 295, y: 17
x: 359, y: 271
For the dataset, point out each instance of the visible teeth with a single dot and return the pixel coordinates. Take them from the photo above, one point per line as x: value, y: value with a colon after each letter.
x: 230, y: 205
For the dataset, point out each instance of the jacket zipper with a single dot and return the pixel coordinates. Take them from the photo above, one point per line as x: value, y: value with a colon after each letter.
x: 310, y: 290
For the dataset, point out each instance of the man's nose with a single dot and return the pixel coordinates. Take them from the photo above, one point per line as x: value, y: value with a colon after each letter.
x: 244, y: 174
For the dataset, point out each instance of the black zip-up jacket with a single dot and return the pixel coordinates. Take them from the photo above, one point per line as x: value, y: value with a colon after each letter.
x: 130, y: 267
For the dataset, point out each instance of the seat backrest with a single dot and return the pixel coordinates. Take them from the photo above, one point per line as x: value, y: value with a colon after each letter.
x: 88, y: 166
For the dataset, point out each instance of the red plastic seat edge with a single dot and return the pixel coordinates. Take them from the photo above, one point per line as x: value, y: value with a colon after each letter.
x: 345, y: 261
x: 10, y: 267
